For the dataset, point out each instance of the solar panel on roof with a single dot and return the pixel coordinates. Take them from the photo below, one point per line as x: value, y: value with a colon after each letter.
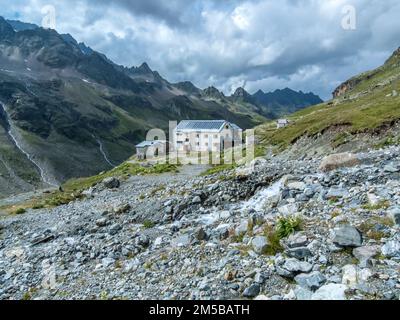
x: 200, y: 124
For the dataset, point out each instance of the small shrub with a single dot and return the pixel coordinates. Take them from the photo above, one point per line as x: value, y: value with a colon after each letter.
x: 288, y: 225
x: 274, y: 241
x: 147, y: 224
x: 335, y: 214
x: 20, y: 211
x: 38, y: 206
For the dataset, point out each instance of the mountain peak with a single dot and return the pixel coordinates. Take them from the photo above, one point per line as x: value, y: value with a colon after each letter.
x: 22, y: 26
x: 144, y: 68
x: 6, y: 30
x: 213, y: 92
x: 240, y: 93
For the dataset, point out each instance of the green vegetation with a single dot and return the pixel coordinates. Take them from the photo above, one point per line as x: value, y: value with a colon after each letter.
x: 388, y: 141
x: 148, y: 224
x: 259, y: 151
x: 288, y: 225
x: 383, y: 204
x: 219, y: 168
x: 366, y: 108
x: 274, y: 241
x: 340, y: 138
x: 19, y: 211
x: 369, y: 229
x: 124, y: 170
x: 72, y: 189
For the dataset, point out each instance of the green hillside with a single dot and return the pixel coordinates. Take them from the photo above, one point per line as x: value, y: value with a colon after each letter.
x: 365, y: 103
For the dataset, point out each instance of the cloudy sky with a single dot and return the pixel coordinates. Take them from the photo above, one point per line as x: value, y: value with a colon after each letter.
x: 308, y: 45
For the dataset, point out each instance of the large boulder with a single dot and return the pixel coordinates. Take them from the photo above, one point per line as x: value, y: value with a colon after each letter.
x: 347, y: 236
x: 111, y: 183
x: 252, y: 291
x: 312, y: 281
x: 338, y: 160
x: 291, y: 267
x: 330, y: 291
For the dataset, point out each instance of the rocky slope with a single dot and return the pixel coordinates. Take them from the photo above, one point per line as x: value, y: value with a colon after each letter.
x: 285, y: 227
x: 73, y: 111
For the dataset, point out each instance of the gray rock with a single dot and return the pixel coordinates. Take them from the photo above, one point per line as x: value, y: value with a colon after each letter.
x: 288, y: 209
x: 196, y: 200
x: 222, y: 232
x: 242, y: 228
x: 338, y: 160
x: 252, y: 291
x: 182, y: 240
x: 296, y: 185
x: 200, y: 234
x: 391, y: 249
x: 107, y: 262
x: 298, y: 239
x: 114, y: 229
x: 111, y: 183
x: 312, y: 281
x: 309, y: 192
x: 101, y: 222
x: 390, y: 168
x: 394, y: 213
x: 142, y: 240
x: 295, y: 266
x: 122, y: 208
x: 347, y: 236
x: 284, y: 273
x: 365, y: 254
x: 330, y: 291
x: 302, y: 293
x: 299, y: 253
x: 260, y: 244
x: 334, y: 193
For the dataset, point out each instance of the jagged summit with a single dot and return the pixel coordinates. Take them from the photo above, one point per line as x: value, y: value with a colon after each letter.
x: 240, y: 93
x: 213, y: 92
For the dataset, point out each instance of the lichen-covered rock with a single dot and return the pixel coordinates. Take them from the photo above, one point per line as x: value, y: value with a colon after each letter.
x: 339, y: 160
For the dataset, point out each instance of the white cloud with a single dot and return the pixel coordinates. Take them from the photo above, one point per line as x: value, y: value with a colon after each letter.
x: 264, y: 44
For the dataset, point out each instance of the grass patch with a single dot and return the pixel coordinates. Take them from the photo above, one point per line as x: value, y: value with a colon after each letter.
x: 148, y: 224
x: 288, y: 225
x: 383, y: 204
x: 274, y: 241
x: 340, y: 139
x: 19, y: 211
x: 219, y: 168
x: 387, y: 142
x: 368, y: 107
x: 72, y: 189
x: 368, y: 228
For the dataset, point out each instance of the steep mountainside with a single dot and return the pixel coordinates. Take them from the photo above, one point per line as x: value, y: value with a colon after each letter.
x: 283, y: 102
x: 68, y: 111
x: 366, y: 103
